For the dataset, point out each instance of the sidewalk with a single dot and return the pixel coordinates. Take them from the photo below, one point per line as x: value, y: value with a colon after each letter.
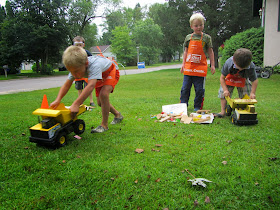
x: 30, y: 84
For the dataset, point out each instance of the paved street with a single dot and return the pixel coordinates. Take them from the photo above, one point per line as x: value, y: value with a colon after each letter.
x: 30, y: 84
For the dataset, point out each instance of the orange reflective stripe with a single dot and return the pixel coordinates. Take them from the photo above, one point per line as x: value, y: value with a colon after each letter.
x: 100, y: 54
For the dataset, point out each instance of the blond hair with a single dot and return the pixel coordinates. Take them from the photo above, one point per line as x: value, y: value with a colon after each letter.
x: 197, y: 16
x: 74, y: 56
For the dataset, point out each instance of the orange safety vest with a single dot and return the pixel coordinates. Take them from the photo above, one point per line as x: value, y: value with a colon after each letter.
x: 196, y: 62
x: 235, y: 80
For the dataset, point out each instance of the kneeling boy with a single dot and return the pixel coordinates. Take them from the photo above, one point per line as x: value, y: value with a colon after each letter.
x: 238, y: 71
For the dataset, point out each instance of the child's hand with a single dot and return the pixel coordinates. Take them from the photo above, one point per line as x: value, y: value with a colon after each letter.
x: 182, y: 69
x: 226, y: 93
x: 252, y: 96
x: 213, y: 70
x: 54, y: 104
x: 74, y: 110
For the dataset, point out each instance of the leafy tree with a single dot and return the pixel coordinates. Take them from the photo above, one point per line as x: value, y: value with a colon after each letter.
x: 251, y: 39
x: 123, y: 46
x: 123, y: 17
x: 148, y: 36
x: 12, y: 53
x: 227, y: 20
x: 33, y: 30
x: 112, y: 21
x: 2, y: 18
x: 105, y: 39
x: 81, y: 13
x: 138, y: 13
x: 165, y: 16
x: 89, y: 34
x: 40, y: 30
x: 2, y: 13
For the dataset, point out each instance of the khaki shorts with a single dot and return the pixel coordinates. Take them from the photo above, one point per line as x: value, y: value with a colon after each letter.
x: 242, y: 91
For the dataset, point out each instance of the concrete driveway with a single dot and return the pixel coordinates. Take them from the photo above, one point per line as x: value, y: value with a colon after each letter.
x: 30, y: 84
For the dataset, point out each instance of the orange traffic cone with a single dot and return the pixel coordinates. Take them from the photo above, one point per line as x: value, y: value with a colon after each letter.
x: 45, y: 104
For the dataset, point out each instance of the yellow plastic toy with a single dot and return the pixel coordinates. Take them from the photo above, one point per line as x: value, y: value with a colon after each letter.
x: 244, y: 112
x: 55, y: 125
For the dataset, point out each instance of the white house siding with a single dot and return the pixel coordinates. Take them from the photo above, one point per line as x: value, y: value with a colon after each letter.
x: 271, y: 34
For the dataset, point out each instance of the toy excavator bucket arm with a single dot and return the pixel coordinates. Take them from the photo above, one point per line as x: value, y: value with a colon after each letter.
x: 230, y: 101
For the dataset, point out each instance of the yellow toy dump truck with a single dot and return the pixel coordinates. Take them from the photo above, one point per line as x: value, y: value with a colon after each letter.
x: 55, y: 125
x: 243, y: 110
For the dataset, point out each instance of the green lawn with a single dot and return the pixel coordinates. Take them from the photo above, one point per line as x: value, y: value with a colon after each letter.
x: 103, y: 171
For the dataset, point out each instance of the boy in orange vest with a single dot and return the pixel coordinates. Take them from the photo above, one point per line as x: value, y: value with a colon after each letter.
x: 195, y: 65
x: 236, y: 72
x: 102, y: 76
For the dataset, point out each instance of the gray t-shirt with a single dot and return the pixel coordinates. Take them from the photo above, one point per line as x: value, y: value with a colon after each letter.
x: 96, y: 65
x: 229, y: 68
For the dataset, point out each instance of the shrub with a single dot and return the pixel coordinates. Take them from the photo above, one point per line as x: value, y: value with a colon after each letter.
x: 251, y: 39
x: 47, y: 70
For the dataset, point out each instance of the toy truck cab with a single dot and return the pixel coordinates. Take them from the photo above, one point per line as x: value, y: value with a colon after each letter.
x: 55, y: 125
x: 244, y: 112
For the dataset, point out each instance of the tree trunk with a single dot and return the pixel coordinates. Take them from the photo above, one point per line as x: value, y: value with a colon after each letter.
x: 216, y: 55
x: 37, y: 66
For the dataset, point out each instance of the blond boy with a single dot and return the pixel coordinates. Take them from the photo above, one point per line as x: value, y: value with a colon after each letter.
x: 102, y: 75
x: 194, y: 66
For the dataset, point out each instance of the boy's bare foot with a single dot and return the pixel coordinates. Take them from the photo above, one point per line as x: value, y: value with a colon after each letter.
x: 219, y: 115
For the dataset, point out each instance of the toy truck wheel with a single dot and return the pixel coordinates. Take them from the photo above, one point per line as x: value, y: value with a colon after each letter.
x: 228, y: 110
x: 61, y: 139
x: 79, y: 126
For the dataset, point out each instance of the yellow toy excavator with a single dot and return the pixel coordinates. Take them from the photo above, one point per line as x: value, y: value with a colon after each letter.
x: 243, y: 110
x: 55, y: 125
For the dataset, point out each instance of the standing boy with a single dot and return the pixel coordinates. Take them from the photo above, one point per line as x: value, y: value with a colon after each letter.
x: 194, y: 67
x: 102, y: 75
x: 80, y: 84
x: 238, y: 71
